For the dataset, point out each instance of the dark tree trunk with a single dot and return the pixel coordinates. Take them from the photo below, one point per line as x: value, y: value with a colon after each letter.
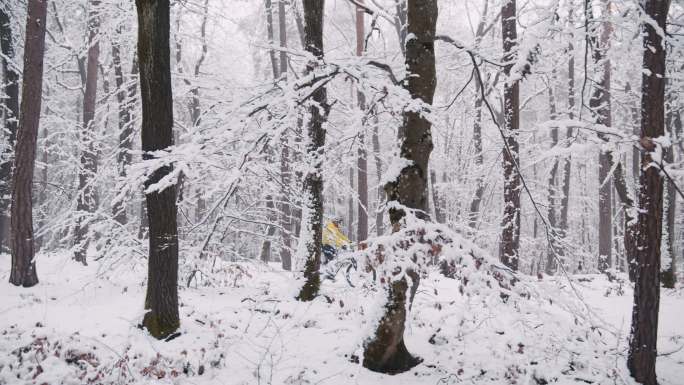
x: 161, y: 302
x: 362, y: 159
x: 641, y: 358
x: 86, y: 202
x: 11, y: 106
x: 313, y: 181
x: 269, y: 32
x: 437, y: 199
x: 23, y: 265
x: 510, y: 236
x: 386, y: 352
x: 285, y: 172
x: 350, y: 204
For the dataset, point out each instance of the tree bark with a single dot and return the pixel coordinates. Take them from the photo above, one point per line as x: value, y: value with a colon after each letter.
x: 362, y: 154
x: 86, y: 202
x: 285, y: 171
x: 668, y: 274
x: 265, y: 255
x: 510, y: 236
x: 641, y: 358
x: 161, y: 301
x: 567, y: 165
x: 599, y: 103
x: 386, y: 351
x: 11, y: 106
x: 555, y: 251
x: 312, y: 219
x: 23, y: 250
x: 379, y: 228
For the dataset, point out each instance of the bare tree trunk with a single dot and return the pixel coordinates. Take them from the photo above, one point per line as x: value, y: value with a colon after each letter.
x: 88, y: 168
x: 565, y: 198
x: 379, y: 228
x: 285, y: 171
x: 23, y: 250
x: 269, y: 32
x: 312, y: 218
x: 10, y: 104
x: 362, y: 159
x: 437, y: 198
x: 385, y: 351
x: 161, y: 301
x: 510, y: 236
x: 641, y: 358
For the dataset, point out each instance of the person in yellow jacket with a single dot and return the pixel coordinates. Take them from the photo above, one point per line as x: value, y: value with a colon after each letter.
x: 333, y: 239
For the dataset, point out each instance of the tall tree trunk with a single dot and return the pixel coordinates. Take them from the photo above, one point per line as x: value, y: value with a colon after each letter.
x: 555, y: 251
x: 362, y: 155
x: 312, y: 217
x: 437, y: 199
x: 86, y: 202
x: 285, y: 171
x: 385, y: 351
x: 11, y: 106
x: 599, y: 103
x: 269, y: 32
x: 23, y: 252
x: 668, y: 274
x: 161, y: 301
x: 510, y: 236
x: 474, y: 211
x: 123, y: 98
x: 641, y: 358
x: 565, y: 198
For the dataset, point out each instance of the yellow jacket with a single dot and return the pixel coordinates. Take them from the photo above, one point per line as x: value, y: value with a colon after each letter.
x: 332, y: 236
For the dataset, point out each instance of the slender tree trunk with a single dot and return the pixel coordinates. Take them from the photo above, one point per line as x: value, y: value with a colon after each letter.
x: 312, y: 218
x: 88, y: 168
x: 125, y: 101
x: 269, y: 32
x: 161, y: 301
x: 668, y: 274
x: 23, y: 252
x: 437, y: 198
x: 386, y: 351
x: 567, y: 165
x: 11, y: 106
x: 510, y: 236
x: 555, y: 247
x: 285, y: 171
x: 362, y: 155
x: 641, y: 358
x: 379, y: 228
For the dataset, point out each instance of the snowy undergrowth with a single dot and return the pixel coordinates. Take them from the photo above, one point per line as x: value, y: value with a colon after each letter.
x: 77, y: 327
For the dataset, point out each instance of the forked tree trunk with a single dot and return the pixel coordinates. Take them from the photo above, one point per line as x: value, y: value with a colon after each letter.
x: 510, y: 236
x: 161, y: 302
x: 11, y: 105
x: 23, y: 250
x: 312, y: 218
x: 86, y: 202
x: 641, y: 358
x: 386, y: 351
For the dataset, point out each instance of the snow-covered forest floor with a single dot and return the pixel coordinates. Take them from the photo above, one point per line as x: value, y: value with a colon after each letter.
x: 80, y: 325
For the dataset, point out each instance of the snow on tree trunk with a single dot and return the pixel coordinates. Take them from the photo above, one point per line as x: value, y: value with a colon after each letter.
x: 385, y: 351
x: 510, y: 236
x: 362, y: 154
x: 23, y: 249
x: 641, y: 358
x: 161, y: 302
x: 312, y: 216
